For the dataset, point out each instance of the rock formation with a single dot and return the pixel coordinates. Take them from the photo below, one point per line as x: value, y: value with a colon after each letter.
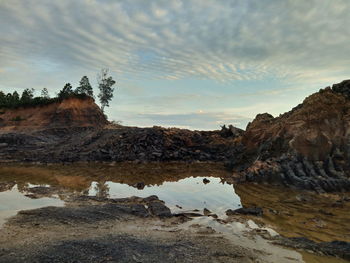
x: 308, y: 147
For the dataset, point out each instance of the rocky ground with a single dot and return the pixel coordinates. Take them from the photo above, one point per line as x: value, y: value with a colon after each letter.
x: 122, y: 230
x: 306, y: 148
x: 116, y: 143
x: 92, y: 229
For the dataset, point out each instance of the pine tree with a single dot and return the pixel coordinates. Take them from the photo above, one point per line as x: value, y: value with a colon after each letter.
x: 27, y: 96
x: 85, y: 87
x: 2, y: 99
x: 66, y: 91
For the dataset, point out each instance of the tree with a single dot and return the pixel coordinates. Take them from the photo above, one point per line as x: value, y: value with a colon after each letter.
x: 85, y: 87
x: 15, y: 101
x: 2, y: 99
x: 27, y: 96
x: 15, y: 96
x: 105, y: 84
x: 45, y: 93
x: 66, y: 91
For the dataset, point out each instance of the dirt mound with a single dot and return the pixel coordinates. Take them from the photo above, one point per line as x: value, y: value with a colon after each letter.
x: 307, y: 147
x: 70, y: 112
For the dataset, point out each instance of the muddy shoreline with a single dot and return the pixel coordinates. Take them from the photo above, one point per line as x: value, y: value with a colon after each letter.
x: 90, y: 229
x: 123, y: 230
x: 145, y: 227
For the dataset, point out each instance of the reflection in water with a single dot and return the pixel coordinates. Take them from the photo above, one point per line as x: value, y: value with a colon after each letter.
x: 182, y: 186
x: 14, y: 200
x: 293, y: 213
x: 101, y: 189
x: 189, y: 193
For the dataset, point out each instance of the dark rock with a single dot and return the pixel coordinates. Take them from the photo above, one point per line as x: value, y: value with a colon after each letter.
x: 151, y: 198
x: 74, y: 144
x: 342, y: 88
x: 140, y: 185
x: 206, y: 181
x: 188, y: 214
x: 231, y: 131
x: 159, y: 209
x: 206, y: 212
x: 255, y: 211
x: 334, y: 248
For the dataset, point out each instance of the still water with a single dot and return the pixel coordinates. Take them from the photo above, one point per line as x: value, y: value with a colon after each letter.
x: 182, y: 187
x: 183, y: 195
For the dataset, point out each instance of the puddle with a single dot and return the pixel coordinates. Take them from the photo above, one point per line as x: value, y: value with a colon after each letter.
x: 12, y: 201
x: 183, y: 188
x: 184, y: 195
x: 243, y: 234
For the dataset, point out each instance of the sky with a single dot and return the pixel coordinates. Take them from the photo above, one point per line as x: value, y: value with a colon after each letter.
x: 195, y: 64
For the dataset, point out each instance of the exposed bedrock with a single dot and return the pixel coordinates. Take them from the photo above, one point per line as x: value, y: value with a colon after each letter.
x: 307, y: 147
x: 116, y: 144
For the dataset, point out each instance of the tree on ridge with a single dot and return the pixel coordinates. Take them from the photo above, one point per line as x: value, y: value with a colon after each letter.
x: 66, y: 91
x: 84, y: 87
x: 105, y: 84
x: 45, y: 93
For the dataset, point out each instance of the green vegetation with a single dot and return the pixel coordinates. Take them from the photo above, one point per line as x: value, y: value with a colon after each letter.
x: 84, y: 90
x: 105, y: 84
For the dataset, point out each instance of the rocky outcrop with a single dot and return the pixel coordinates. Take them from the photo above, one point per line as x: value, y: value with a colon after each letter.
x: 308, y: 147
x: 116, y: 144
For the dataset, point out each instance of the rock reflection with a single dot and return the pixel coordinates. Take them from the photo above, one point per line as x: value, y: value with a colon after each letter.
x: 78, y: 178
x: 189, y: 186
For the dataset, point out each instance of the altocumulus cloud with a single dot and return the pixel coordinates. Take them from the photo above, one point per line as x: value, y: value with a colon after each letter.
x: 224, y: 40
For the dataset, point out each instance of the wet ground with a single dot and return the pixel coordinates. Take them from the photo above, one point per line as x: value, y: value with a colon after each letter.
x: 186, y: 189
x: 194, y: 188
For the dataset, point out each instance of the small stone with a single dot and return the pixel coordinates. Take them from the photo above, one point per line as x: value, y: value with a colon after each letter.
x: 206, y: 212
x: 255, y: 211
x: 206, y: 181
x: 159, y: 209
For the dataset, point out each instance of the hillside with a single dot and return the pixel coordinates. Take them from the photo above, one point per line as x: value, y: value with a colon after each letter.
x: 75, y: 129
x: 307, y: 147
x: 70, y: 112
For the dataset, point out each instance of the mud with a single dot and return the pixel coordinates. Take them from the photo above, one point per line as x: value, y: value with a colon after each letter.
x: 113, y: 230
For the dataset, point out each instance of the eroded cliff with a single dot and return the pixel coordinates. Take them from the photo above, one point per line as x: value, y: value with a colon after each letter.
x: 308, y: 147
x: 70, y: 112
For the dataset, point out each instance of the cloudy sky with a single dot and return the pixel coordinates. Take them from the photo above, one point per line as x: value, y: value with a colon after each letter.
x: 187, y: 63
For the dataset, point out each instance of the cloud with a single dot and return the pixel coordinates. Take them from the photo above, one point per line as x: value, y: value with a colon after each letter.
x: 220, y: 40
x: 301, y: 45
x: 191, y: 120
